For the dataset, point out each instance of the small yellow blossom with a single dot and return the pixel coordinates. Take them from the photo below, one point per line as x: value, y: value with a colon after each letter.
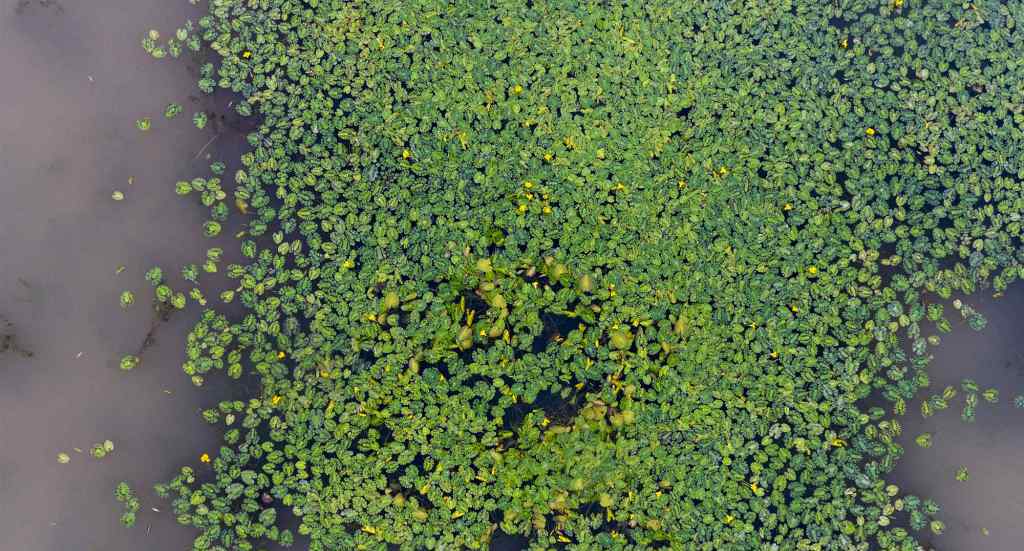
x: 205, y: 458
x: 547, y: 210
x: 247, y: 54
x: 787, y: 207
x: 794, y: 309
x: 528, y: 184
x: 517, y: 89
x: 870, y: 131
x: 280, y: 355
x: 275, y: 400
x: 406, y: 154
x: 548, y: 157
x: 845, y: 43
x: 812, y: 270
x: 522, y: 208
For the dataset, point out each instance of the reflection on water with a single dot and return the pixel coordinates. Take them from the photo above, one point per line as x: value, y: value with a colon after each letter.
x: 75, y: 81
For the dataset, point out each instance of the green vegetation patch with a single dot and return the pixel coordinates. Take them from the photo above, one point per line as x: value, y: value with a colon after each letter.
x: 603, y: 275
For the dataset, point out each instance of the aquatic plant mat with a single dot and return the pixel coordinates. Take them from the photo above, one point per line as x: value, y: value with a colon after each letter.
x: 604, y: 275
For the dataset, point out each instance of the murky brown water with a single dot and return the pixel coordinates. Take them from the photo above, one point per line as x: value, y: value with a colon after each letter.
x: 75, y: 79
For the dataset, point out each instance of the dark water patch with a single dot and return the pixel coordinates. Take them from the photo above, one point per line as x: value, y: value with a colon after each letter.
x: 34, y: 7
x: 555, y: 328
x: 505, y: 542
x: 9, y: 340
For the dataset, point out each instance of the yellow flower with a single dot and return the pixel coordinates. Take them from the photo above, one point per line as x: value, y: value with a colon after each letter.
x: 794, y: 309
x: 205, y: 458
x: 898, y: 3
x: 247, y: 54
x: 528, y: 184
x: 517, y: 89
x: 548, y: 157
x: 845, y: 43
x: 275, y: 400
x: 728, y: 519
x: 870, y: 131
x: 522, y: 208
x: 406, y: 154
x: 280, y: 355
x: 787, y: 207
x: 547, y: 210
x: 812, y: 270
x: 838, y: 442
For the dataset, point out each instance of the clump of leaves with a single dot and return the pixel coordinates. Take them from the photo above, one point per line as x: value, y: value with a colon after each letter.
x: 628, y: 287
x: 155, y: 276
x: 126, y: 496
x: 172, y: 110
x: 200, y: 119
x: 144, y: 124
x: 924, y: 440
x: 127, y: 299
x: 99, y: 451
x: 962, y: 475
x: 129, y: 362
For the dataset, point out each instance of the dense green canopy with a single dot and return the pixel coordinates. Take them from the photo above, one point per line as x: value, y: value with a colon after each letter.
x: 607, y: 275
